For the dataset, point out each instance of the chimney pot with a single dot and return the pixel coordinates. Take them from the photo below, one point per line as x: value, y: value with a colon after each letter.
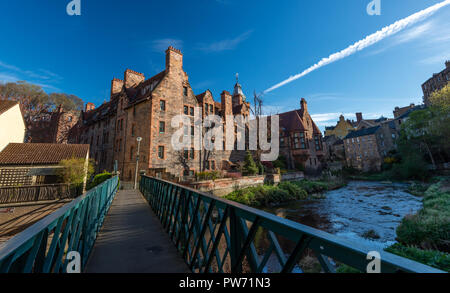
x: 89, y: 107
x: 359, y: 117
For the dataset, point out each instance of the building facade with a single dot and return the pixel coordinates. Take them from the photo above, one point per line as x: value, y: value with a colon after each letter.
x: 301, y: 140
x: 141, y: 107
x: 342, y: 128
x: 435, y: 83
x: 52, y: 127
x: 12, y: 125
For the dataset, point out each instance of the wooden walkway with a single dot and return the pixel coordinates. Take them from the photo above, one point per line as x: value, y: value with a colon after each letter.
x: 133, y: 241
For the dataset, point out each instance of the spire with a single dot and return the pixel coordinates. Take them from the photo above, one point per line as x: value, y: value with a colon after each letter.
x: 238, y: 89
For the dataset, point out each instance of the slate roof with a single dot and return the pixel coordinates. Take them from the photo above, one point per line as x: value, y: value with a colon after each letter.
x: 5, y: 105
x: 292, y: 121
x: 41, y: 153
x: 362, y: 132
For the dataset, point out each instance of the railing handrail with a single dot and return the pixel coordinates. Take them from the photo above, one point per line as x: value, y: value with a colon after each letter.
x: 23, y: 237
x: 40, y: 185
x: 386, y: 257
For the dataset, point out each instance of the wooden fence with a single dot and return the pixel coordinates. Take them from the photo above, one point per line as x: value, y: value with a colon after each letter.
x: 34, y: 193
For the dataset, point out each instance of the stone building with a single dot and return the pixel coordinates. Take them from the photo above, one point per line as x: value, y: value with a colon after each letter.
x: 141, y: 107
x: 435, y: 83
x: 52, y: 126
x: 301, y: 140
x: 361, y: 149
x: 342, y: 128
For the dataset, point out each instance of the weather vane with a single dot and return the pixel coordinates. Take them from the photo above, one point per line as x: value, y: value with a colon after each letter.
x: 237, y: 77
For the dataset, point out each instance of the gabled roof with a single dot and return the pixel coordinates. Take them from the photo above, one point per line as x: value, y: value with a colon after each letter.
x: 362, y: 132
x: 142, y: 91
x: 41, y: 153
x: 292, y: 121
x: 5, y: 105
x: 407, y: 113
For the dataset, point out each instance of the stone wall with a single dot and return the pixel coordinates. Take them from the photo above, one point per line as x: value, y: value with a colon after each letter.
x: 222, y: 187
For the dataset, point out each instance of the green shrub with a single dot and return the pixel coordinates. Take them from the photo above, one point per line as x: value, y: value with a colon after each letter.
x: 411, y: 167
x: 293, y: 189
x: 437, y: 259
x: 280, y: 162
x: 430, y: 227
x: 212, y: 175
x: 98, y: 179
x: 312, y: 186
x: 250, y: 167
x: 259, y: 196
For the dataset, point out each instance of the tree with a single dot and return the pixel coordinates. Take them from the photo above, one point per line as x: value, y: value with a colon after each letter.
x: 250, y: 167
x: 441, y: 99
x: 76, y: 171
x: 417, y: 134
x: 33, y: 100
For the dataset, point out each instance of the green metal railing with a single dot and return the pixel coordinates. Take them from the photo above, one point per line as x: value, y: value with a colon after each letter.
x: 217, y: 235
x: 43, y: 247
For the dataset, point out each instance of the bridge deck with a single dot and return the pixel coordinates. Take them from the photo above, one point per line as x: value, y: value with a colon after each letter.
x: 133, y: 241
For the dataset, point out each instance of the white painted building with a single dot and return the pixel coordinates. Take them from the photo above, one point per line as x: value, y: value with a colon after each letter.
x: 12, y: 125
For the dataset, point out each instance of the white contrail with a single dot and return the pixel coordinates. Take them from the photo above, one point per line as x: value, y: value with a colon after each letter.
x: 367, y: 41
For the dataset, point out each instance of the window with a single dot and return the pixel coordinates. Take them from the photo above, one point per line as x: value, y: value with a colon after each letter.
x: 192, y: 153
x: 192, y: 130
x: 185, y: 91
x: 211, y: 109
x: 207, y: 165
x: 161, y: 152
x: 162, y: 127
x: 162, y: 106
x: 213, y: 165
x: 186, y: 110
x: 191, y: 111
x: 186, y: 154
x: 132, y: 130
x: 134, y: 111
x: 131, y: 153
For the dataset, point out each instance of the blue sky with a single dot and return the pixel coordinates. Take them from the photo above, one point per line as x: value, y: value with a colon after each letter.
x: 264, y: 41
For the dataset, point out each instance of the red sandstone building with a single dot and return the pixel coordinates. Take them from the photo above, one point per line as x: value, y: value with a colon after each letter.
x: 141, y: 107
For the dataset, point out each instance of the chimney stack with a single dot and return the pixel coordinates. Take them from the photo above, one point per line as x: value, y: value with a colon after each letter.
x: 447, y: 64
x: 89, y: 107
x: 359, y: 117
x: 133, y: 78
x: 174, y: 60
x: 303, y: 105
x: 227, y: 104
x: 116, y: 86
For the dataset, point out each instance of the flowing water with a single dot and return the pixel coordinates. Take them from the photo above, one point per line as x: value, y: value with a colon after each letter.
x: 351, y: 211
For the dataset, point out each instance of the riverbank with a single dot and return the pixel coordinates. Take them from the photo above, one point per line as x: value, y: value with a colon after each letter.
x: 425, y: 236
x: 288, y: 191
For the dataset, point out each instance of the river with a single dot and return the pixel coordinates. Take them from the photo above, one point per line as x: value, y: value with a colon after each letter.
x: 351, y: 211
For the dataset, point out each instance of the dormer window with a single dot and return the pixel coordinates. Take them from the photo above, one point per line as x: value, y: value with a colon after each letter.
x: 185, y: 91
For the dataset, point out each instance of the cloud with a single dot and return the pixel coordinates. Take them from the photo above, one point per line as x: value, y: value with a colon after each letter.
x: 330, y: 119
x: 366, y: 42
x: 439, y: 58
x: 41, y: 77
x: 225, y: 45
x: 161, y: 45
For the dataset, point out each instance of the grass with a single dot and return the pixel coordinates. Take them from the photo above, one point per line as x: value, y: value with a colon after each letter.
x: 433, y: 258
x: 269, y: 195
x: 430, y: 227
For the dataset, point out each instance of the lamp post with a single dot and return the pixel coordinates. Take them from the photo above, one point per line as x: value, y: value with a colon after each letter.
x: 139, y: 139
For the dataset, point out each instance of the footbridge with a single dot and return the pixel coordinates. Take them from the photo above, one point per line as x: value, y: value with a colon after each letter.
x: 168, y: 228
